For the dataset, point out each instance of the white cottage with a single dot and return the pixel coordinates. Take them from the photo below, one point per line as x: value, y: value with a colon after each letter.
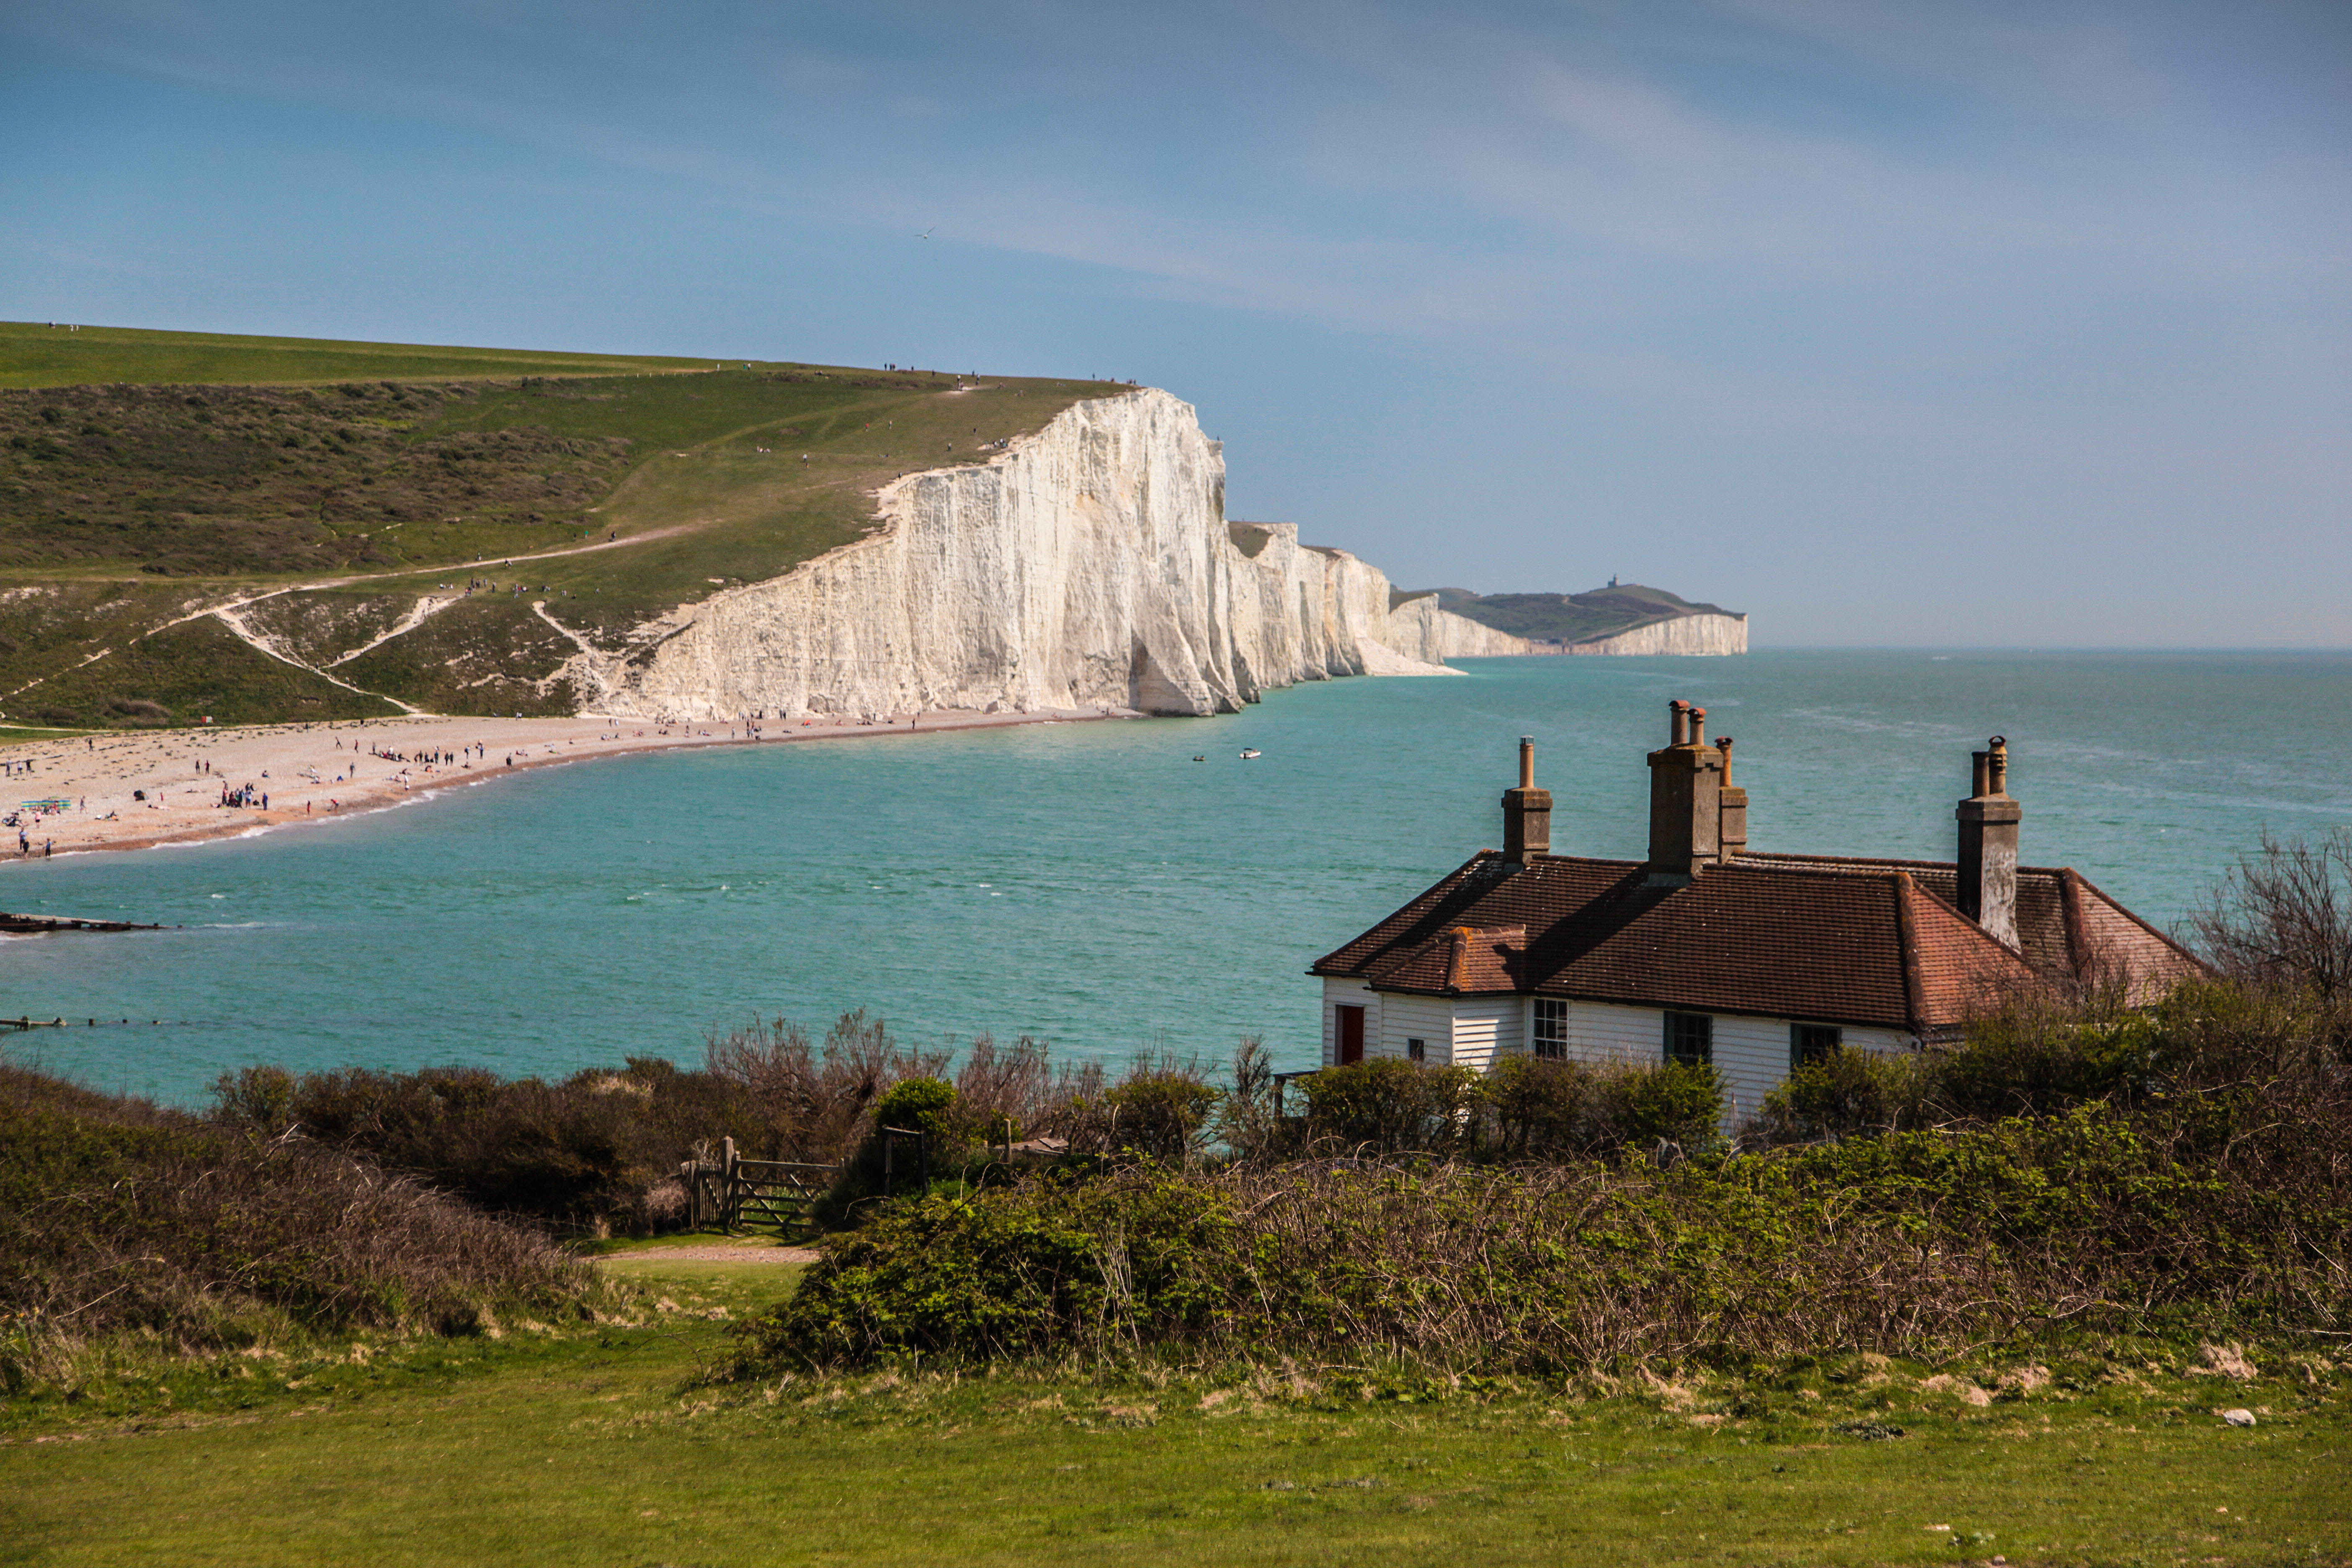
x: 1708, y: 951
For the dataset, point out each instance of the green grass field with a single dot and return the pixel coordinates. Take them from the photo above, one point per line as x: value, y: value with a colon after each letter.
x: 153, y: 474
x: 35, y: 353
x: 606, y: 1448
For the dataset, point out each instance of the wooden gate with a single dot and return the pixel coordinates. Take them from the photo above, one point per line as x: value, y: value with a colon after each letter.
x: 732, y: 1194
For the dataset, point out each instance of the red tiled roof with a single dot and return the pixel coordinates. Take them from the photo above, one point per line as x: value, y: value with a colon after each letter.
x: 1853, y: 941
x: 2066, y: 925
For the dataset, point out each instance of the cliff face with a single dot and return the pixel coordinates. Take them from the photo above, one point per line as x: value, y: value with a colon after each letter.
x: 1704, y: 634
x: 1091, y: 565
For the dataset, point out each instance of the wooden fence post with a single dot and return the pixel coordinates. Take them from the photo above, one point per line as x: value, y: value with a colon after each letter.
x: 729, y: 1198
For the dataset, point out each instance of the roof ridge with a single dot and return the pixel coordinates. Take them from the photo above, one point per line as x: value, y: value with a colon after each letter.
x: 1907, y: 943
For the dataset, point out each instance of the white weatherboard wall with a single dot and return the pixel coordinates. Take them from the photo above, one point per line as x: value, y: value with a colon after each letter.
x: 1484, y: 1028
x: 1091, y: 565
x: 1429, y: 1019
x: 1752, y: 1053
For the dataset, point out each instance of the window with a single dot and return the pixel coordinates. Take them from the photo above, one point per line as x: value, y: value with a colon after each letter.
x: 1549, y: 1032
x: 1417, y: 1049
x: 1347, y: 1034
x: 1690, y: 1039
x: 1812, y: 1043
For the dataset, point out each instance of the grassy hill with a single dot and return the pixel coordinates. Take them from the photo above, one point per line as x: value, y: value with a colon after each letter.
x: 38, y: 354
x: 147, y: 477
x: 1572, y: 617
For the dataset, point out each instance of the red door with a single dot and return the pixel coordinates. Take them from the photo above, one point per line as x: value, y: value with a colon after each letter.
x: 1348, y: 1033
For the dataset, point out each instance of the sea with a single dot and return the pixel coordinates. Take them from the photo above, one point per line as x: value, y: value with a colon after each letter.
x: 1109, y: 888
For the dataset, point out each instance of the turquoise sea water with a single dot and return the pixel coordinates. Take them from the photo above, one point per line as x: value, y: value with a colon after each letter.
x: 1091, y: 883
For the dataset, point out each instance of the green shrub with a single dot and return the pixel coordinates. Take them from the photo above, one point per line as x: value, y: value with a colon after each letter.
x: 925, y: 1105
x: 1844, y: 1093
x: 120, y: 1218
x: 1676, y: 1103
x: 2033, y: 1058
x: 2219, y: 1213
x: 1541, y: 1107
x: 1160, y: 1115
x: 1388, y: 1105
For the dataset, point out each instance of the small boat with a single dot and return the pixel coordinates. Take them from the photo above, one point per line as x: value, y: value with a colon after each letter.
x: 1250, y: 752
x: 1201, y: 758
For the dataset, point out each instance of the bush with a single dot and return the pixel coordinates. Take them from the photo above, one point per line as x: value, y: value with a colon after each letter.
x: 1541, y: 1108
x: 2185, y: 1174
x: 1160, y: 1114
x: 1913, y: 1244
x: 1386, y: 1105
x: 117, y: 1218
x: 583, y: 1153
x: 1844, y: 1093
x: 2036, y: 1056
x: 2284, y: 917
x: 1678, y: 1104
x: 601, y: 1149
x: 925, y: 1105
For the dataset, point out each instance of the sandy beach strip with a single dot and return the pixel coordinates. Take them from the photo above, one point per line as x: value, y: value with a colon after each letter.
x: 138, y: 789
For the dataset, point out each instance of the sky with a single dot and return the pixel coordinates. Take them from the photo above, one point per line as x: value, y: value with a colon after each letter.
x: 1952, y: 322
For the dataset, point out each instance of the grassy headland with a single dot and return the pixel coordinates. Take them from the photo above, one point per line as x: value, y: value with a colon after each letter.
x: 351, y: 482
x: 1571, y: 618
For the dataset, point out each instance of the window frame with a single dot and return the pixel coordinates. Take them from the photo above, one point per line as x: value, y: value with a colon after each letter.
x: 1802, y: 1050
x: 1416, y: 1050
x: 1681, y: 1024
x: 1551, y: 1046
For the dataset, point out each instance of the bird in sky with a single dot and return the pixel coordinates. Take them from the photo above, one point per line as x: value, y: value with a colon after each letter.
x: 926, y: 233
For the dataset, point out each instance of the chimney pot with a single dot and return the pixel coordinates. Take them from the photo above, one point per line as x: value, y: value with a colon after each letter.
x: 1731, y: 815
x: 1698, y: 727
x: 1527, y: 812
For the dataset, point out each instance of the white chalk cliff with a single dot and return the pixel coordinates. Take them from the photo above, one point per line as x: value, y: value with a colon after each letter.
x: 1699, y: 633
x: 1090, y: 565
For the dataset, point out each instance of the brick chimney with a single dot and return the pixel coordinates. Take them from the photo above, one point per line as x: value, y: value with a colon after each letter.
x: 1686, y: 799
x: 1527, y: 812
x: 1988, y: 818
x: 1731, y: 813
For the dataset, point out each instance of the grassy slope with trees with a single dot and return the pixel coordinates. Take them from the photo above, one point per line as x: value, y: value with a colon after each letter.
x: 135, y: 501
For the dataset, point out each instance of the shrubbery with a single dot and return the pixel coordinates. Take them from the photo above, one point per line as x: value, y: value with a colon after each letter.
x: 1525, y: 1108
x: 2079, y: 1168
x: 119, y: 1218
x: 601, y: 1149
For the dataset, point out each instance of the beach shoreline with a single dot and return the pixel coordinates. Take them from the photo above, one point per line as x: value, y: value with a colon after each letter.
x: 332, y: 769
